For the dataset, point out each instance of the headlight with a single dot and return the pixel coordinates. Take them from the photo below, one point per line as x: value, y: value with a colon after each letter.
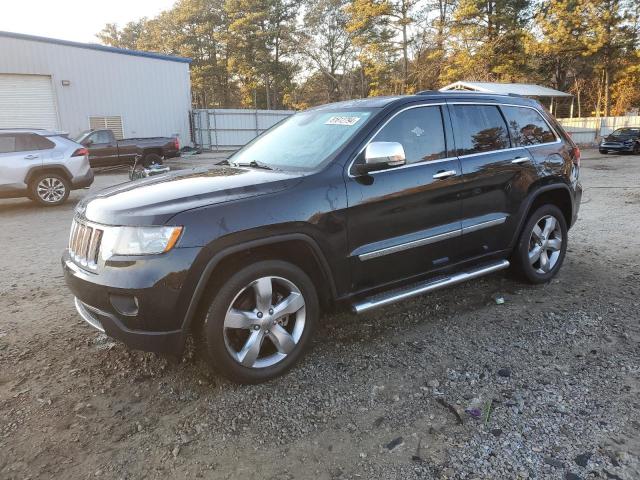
x: 138, y: 240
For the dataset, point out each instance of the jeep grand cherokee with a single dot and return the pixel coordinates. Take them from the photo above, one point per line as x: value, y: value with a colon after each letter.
x: 364, y: 202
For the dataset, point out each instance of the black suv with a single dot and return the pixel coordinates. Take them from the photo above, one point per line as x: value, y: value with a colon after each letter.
x: 364, y: 202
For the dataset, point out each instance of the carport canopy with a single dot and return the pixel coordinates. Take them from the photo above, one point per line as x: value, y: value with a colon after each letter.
x: 524, y: 89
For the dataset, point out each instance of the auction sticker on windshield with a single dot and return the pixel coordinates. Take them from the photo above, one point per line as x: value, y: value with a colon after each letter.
x: 346, y: 121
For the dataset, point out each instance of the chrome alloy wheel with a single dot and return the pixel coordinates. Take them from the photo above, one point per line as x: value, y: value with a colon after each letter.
x: 51, y: 189
x: 545, y: 244
x: 271, y: 309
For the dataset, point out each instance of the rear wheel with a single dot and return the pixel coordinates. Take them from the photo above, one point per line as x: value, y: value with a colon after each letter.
x: 636, y: 149
x: 260, y: 322
x: 49, y: 189
x: 542, y: 245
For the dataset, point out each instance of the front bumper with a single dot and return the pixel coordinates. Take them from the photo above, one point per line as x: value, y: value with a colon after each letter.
x: 161, y: 342
x: 616, y: 147
x: 140, y: 301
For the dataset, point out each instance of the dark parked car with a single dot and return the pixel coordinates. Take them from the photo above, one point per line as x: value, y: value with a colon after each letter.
x: 106, y: 151
x: 362, y: 203
x: 622, y: 140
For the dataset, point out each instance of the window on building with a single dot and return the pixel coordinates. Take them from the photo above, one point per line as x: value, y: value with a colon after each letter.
x: 113, y: 123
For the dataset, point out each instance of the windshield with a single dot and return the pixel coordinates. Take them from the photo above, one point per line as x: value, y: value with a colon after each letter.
x: 623, y: 132
x: 304, y: 141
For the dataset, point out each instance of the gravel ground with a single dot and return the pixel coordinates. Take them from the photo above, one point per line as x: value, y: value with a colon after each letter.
x: 455, y: 384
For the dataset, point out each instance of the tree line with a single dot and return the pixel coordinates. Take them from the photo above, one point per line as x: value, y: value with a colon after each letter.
x: 278, y: 54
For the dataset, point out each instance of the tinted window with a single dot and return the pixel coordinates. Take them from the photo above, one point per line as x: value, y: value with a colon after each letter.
x: 527, y: 126
x: 29, y: 141
x: 479, y: 128
x: 420, y: 131
x: 7, y: 143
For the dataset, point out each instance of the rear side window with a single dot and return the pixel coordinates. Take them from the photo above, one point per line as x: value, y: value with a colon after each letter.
x: 527, y: 126
x: 29, y: 141
x: 420, y: 131
x: 7, y: 143
x: 479, y: 128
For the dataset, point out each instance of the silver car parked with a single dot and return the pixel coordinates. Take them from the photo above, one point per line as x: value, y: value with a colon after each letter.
x: 41, y: 165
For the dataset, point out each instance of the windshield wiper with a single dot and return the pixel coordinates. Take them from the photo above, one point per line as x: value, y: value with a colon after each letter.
x: 254, y: 164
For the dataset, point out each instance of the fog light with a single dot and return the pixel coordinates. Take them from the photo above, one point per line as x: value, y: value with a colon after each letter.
x: 125, y: 304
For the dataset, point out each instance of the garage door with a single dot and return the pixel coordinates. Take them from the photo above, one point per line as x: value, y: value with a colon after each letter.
x: 27, y: 101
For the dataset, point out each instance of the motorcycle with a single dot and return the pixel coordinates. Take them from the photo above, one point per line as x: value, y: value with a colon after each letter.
x: 139, y: 170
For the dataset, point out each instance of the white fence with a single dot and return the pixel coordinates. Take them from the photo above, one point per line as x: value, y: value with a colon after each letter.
x: 590, y: 129
x: 230, y: 129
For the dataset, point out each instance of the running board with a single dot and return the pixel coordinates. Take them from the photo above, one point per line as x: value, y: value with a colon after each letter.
x: 386, y: 298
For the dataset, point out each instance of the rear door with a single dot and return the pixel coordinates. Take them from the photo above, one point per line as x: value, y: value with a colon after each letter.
x: 405, y: 221
x: 497, y: 175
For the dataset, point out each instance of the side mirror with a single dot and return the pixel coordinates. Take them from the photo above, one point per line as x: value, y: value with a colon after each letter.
x: 382, y: 155
x: 87, y: 142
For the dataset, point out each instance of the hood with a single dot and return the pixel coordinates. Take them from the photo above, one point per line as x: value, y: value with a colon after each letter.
x: 620, y: 138
x: 154, y: 200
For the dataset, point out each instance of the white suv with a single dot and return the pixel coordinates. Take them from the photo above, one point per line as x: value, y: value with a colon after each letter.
x: 41, y: 165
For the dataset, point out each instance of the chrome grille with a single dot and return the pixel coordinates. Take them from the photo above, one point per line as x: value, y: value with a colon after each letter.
x: 84, y: 244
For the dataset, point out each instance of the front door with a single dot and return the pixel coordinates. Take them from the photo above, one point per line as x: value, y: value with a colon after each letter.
x: 406, y: 221
x: 103, y: 149
x: 19, y: 153
x: 497, y: 176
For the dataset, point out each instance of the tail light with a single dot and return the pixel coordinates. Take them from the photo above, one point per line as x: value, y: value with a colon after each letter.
x: 80, y: 152
x: 576, y: 155
x: 176, y: 143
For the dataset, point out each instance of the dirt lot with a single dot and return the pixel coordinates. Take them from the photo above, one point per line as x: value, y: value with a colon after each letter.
x: 553, y: 373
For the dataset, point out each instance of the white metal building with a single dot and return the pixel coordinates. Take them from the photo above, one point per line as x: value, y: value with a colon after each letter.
x: 70, y: 86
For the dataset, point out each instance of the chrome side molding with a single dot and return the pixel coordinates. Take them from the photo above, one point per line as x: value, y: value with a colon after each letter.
x: 387, y: 298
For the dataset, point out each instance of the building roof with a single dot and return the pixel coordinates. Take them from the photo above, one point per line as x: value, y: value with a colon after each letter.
x: 94, y: 46
x: 524, y: 89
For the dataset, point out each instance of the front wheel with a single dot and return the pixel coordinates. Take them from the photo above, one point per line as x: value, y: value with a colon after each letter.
x: 542, y: 245
x: 636, y: 149
x: 260, y: 322
x: 603, y: 152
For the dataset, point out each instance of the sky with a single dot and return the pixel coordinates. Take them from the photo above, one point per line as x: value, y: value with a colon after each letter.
x: 77, y: 20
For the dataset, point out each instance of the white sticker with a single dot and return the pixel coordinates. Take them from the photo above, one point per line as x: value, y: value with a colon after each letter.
x: 346, y: 121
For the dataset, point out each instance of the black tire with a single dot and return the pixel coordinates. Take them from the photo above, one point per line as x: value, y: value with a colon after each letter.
x: 49, y: 189
x: 534, y: 273
x: 636, y: 149
x: 214, y: 344
x: 603, y: 152
x: 151, y: 158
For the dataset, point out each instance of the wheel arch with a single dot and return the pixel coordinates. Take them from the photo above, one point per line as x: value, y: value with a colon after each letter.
x: 557, y: 194
x: 57, y: 168
x: 151, y: 150
x: 285, y: 247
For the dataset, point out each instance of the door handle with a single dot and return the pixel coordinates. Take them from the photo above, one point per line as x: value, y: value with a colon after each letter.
x: 520, y: 160
x: 30, y: 157
x: 445, y: 174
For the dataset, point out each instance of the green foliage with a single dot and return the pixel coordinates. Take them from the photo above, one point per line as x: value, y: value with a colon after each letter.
x: 299, y: 53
